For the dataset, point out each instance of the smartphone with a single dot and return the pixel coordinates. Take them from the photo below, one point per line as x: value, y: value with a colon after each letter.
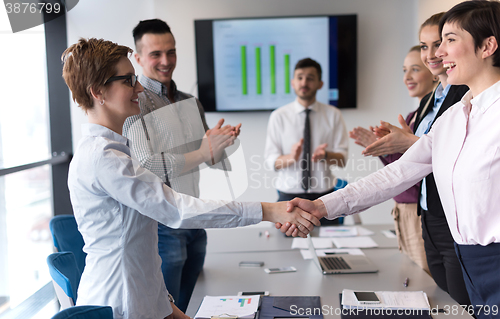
x: 251, y: 263
x: 253, y: 293
x: 366, y: 297
x: 280, y: 269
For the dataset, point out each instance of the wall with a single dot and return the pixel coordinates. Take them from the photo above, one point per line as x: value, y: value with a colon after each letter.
x: 426, y: 8
x: 386, y: 30
x: 111, y: 20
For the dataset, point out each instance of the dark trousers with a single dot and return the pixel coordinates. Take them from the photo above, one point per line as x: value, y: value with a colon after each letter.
x: 182, y: 252
x: 442, y: 258
x: 481, y: 269
x: 282, y: 197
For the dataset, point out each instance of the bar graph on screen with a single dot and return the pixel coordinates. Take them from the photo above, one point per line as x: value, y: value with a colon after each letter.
x: 253, y: 62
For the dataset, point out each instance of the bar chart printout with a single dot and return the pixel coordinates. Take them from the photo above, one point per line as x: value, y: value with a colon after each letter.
x: 241, y: 307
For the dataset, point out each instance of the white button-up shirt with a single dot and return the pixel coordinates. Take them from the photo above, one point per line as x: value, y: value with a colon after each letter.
x: 286, y: 127
x: 117, y: 204
x: 462, y: 149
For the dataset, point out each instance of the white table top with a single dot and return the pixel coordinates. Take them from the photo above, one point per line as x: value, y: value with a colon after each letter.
x: 254, y: 239
x: 223, y: 276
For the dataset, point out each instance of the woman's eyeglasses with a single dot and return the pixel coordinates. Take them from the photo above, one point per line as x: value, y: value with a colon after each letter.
x: 131, y: 79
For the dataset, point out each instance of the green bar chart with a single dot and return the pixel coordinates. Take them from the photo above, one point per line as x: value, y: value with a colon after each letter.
x: 254, y: 59
x: 258, y: 71
x: 272, y: 68
x: 286, y: 66
x: 244, y: 85
x: 258, y: 61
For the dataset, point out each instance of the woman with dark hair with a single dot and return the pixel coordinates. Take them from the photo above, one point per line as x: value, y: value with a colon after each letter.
x: 461, y: 149
x: 117, y: 203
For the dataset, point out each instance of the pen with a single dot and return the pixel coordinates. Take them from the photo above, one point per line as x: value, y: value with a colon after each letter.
x: 405, y: 283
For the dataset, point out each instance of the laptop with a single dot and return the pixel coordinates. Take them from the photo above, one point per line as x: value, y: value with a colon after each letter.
x: 341, y: 264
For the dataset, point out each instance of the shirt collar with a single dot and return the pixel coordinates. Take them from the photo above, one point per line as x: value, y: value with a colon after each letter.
x: 441, y: 92
x: 156, y: 86
x: 484, y: 100
x: 300, y: 108
x: 96, y: 130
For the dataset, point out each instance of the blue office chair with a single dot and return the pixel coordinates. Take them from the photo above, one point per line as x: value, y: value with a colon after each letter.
x: 67, y: 237
x: 85, y: 312
x: 339, y: 184
x: 65, y: 276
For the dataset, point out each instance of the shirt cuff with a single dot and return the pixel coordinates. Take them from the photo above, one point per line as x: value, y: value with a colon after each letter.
x: 335, y: 205
x: 253, y: 213
x: 177, y: 162
x: 270, y: 161
x: 343, y: 152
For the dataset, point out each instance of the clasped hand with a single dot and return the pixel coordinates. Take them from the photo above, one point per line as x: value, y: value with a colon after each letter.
x: 217, y: 139
x: 398, y: 140
x: 310, y: 213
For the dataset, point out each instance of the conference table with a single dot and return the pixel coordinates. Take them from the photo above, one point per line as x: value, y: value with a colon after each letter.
x: 222, y: 274
x: 255, y: 239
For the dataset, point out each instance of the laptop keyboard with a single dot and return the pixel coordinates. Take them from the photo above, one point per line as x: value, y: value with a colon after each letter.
x: 335, y: 263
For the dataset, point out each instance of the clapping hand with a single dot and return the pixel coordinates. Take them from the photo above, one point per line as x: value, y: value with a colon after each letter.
x: 297, y: 150
x: 362, y: 136
x: 397, y: 141
x: 319, y: 153
x: 380, y: 131
x: 217, y: 139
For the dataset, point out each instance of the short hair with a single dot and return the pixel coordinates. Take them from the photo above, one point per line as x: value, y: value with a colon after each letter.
x: 432, y: 21
x: 415, y: 48
x: 155, y: 26
x: 480, y: 19
x: 88, y: 64
x: 308, y: 62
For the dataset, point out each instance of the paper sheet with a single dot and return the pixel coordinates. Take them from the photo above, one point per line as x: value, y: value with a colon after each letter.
x: 338, y: 231
x: 344, y: 231
x: 364, y: 232
x: 354, y: 242
x: 306, y: 254
x: 302, y: 243
x: 389, y: 299
x: 240, y: 306
x: 388, y: 233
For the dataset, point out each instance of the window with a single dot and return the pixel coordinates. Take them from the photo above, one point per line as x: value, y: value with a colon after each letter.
x: 26, y: 240
x: 35, y: 147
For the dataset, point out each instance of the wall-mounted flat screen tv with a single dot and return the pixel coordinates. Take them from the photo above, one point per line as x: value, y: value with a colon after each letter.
x: 246, y: 64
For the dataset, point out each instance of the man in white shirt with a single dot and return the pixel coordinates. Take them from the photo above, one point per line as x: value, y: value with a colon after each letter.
x: 304, y: 166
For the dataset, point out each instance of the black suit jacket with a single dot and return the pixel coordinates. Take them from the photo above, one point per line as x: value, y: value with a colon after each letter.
x: 455, y: 94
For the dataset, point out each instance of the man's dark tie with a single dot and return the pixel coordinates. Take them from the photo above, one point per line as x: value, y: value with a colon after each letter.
x: 305, y: 163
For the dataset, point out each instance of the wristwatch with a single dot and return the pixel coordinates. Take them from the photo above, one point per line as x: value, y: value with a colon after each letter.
x: 170, y: 298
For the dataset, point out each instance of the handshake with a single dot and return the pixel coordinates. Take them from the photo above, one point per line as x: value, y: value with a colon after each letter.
x: 296, y: 217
